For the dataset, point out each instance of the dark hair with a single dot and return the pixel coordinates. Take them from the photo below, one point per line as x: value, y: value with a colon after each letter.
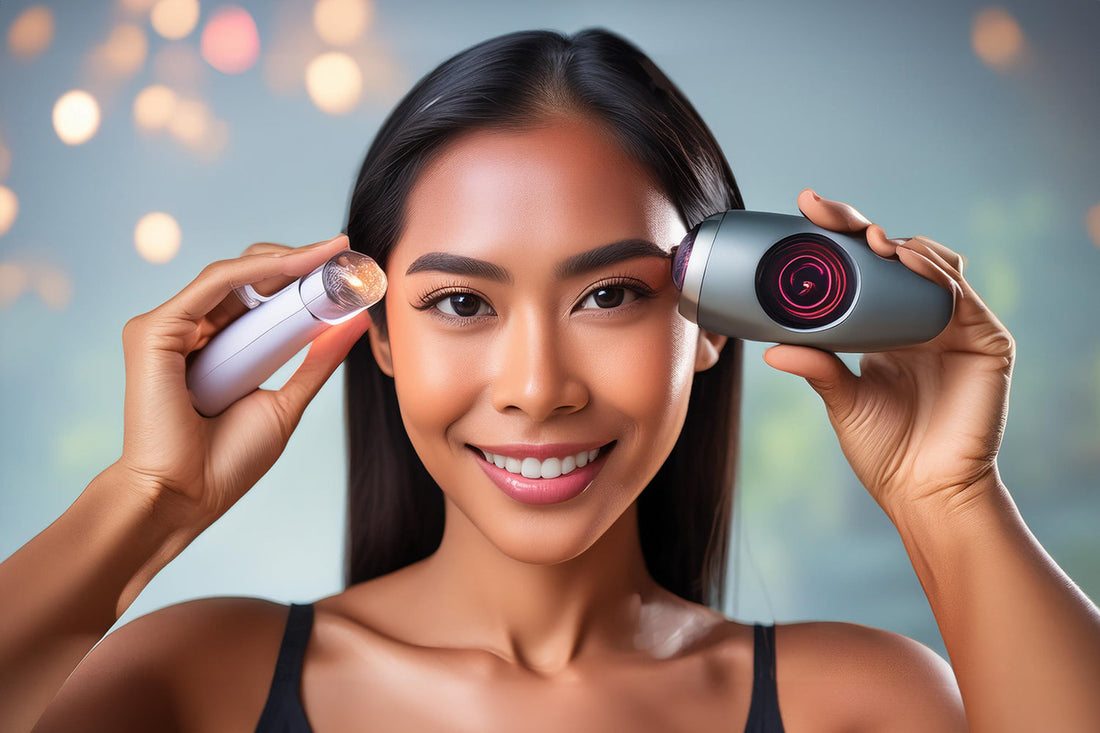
x: 395, y: 509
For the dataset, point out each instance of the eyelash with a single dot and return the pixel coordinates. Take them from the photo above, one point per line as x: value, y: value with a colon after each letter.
x: 429, y: 299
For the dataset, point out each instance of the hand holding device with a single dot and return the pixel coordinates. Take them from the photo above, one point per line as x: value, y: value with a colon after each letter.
x: 252, y: 348
x: 201, y: 466
x: 920, y: 425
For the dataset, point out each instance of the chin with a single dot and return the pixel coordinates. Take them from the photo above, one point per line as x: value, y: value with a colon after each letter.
x: 540, y: 539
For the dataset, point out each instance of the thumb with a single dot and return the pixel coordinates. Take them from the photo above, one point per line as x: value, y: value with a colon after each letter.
x: 325, y: 354
x: 823, y: 370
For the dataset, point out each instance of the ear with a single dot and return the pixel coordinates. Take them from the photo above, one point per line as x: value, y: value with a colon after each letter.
x: 707, y: 349
x: 380, y: 347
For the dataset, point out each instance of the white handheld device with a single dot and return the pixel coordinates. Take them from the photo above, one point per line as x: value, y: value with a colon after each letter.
x: 240, y: 357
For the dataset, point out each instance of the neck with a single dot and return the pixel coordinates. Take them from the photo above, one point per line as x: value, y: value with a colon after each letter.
x: 544, y: 616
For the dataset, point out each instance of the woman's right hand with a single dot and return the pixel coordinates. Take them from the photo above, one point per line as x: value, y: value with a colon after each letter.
x: 169, y: 449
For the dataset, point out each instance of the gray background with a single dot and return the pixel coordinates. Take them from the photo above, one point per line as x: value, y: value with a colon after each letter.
x: 884, y: 105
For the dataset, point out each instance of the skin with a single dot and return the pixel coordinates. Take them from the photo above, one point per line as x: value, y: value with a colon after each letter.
x: 545, y: 618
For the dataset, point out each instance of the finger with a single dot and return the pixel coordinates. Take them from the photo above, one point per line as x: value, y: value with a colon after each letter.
x: 325, y: 354
x: 953, y: 259
x: 823, y: 370
x: 970, y: 310
x: 219, y: 279
x: 829, y: 214
x: 968, y: 304
x: 275, y: 284
x: 930, y: 270
x: 879, y: 244
x: 231, y: 308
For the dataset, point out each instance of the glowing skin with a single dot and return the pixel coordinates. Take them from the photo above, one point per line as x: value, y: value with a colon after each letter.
x: 542, y: 362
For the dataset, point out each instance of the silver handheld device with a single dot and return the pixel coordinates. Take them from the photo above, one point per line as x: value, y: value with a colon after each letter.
x: 776, y: 277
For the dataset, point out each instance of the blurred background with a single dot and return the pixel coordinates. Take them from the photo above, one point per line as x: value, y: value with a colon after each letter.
x: 142, y: 139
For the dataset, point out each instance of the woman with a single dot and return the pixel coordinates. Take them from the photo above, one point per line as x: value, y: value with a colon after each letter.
x: 523, y: 199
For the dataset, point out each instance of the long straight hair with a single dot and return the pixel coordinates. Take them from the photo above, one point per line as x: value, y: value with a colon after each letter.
x: 395, y: 510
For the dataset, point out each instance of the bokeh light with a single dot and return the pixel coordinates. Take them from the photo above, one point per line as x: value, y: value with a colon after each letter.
x: 175, y: 19
x: 76, y: 117
x: 997, y: 38
x: 179, y: 66
x: 334, y: 82
x: 289, y: 51
x: 189, y: 121
x: 54, y: 287
x: 137, y: 6
x: 341, y: 22
x: 123, y: 54
x: 214, y: 141
x: 153, y: 107
x: 230, y: 42
x: 31, y: 32
x: 9, y: 209
x: 13, y: 282
x: 1092, y: 224
x: 157, y: 237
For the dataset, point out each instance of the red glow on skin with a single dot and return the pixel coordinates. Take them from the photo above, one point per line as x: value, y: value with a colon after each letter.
x: 230, y: 41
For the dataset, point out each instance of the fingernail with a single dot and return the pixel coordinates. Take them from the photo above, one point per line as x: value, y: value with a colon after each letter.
x: 814, y: 194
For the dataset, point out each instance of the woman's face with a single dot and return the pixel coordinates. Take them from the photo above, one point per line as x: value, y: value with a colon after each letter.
x: 532, y: 355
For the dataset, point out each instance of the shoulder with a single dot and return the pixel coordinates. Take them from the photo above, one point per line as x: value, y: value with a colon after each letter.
x: 204, y: 664
x: 862, y: 678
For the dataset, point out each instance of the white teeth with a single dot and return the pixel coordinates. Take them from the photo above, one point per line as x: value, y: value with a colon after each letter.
x: 534, y: 468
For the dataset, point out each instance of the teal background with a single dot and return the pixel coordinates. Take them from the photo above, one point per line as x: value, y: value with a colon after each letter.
x: 883, y: 105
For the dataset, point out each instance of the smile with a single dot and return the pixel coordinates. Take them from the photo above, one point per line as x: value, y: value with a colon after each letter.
x: 532, y: 481
x: 531, y: 467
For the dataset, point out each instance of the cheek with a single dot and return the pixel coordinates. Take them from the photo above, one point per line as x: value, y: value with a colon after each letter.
x: 434, y: 376
x: 646, y: 371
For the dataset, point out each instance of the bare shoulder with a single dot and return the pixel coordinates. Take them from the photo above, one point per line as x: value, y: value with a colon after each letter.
x: 204, y: 664
x: 846, y: 676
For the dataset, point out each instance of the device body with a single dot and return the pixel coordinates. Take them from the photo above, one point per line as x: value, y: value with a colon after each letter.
x: 763, y: 276
x: 240, y: 357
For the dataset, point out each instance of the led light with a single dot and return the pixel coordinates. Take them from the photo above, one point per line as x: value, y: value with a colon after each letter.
x: 348, y: 282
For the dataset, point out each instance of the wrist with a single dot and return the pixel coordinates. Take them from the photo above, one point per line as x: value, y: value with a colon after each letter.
x: 959, y: 506
x: 140, y: 526
x: 150, y: 496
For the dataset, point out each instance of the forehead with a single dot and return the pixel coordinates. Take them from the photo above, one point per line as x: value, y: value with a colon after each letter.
x: 565, y: 186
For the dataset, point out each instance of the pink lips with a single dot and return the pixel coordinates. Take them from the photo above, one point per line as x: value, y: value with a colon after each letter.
x: 543, y: 490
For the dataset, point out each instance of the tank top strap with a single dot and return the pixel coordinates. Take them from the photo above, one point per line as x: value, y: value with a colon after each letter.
x: 764, y: 708
x: 283, y: 711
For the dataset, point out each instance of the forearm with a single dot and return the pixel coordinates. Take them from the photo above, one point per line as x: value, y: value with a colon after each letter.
x: 1024, y: 641
x: 65, y: 588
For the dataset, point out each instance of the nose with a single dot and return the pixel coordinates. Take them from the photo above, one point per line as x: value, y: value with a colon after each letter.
x: 537, y: 371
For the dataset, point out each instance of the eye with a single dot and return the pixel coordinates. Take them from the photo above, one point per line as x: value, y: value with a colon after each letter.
x: 462, y: 305
x: 611, y: 296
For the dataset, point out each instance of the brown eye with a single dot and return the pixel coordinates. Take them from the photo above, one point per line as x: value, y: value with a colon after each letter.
x: 607, y: 296
x: 463, y: 305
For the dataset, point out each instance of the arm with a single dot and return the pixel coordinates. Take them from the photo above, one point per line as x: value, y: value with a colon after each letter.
x: 1023, y: 639
x: 921, y: 428
x: 178, y: 473
x: 65, y: 588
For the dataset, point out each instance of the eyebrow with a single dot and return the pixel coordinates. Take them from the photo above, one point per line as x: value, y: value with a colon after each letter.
x: 594, y: 259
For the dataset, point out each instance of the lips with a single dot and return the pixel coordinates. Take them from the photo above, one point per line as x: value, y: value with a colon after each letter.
x: 539, y: 490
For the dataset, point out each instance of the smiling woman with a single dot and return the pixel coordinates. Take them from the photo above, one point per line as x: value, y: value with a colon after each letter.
x: 542, y: 458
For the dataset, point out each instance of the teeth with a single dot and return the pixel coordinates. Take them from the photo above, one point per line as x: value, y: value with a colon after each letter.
x: 534, y: 468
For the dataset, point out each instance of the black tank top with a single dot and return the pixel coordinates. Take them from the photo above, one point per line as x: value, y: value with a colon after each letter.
x: 283, y: 712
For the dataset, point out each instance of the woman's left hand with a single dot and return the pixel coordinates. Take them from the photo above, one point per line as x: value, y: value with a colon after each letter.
x: 921, y: 426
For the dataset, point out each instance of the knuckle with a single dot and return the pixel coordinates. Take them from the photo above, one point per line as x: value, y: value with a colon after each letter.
x: 134, y: 330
